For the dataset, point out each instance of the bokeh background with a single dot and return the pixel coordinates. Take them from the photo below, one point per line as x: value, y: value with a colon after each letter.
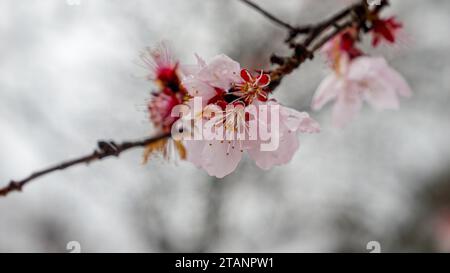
x: 69, y: 75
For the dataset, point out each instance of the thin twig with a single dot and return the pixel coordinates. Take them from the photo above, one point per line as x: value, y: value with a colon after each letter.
x: 104, y: 149
x: 294, y: 31
x: 269, y: 16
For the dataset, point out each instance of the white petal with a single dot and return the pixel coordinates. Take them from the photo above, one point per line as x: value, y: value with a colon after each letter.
x: 397, y: 81
x: 221, y: 72
x: 195, y: 88
x: 380, y: 95
x: 308, y: 125
x: 220, y: 159
x: 194, y: 149
x: 365, y: 67
x: 347, y: 105
x: 327, y: 91
x: 376, y: 68
x: 267, y: 159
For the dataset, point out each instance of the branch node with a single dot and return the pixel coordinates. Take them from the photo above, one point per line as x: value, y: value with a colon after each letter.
x: 275, y: 59
x: 302, y: 51
x: 108, y: 148
x: 13, y: 185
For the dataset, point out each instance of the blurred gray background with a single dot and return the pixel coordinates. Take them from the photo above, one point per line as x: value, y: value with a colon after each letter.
x: 69, y: 76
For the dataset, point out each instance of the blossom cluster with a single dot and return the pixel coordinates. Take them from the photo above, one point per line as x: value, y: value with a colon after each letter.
x: 216, y: 110
x: 357, y: 77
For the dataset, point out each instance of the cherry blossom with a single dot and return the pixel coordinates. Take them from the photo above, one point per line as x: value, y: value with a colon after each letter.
x: 163, y: 70
x: 357, y: 78
x: 365, y: 78
x: 232, y: 99
x: 160, y: 108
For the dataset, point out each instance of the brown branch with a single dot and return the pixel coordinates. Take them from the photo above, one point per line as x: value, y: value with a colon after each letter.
x: 268, y: 15
x: 104, y: 149
x: 293, y: 30
x: 356, y: 14
x: 317, y: 36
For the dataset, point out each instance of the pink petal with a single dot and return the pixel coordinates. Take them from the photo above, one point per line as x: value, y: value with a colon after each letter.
x: 219, y: 158
x: 195, y: 88
x: 221, y: 72
x: 380, y: 95
x: 397, y: 81
x: 376, y: 69
x: 346, y: 107
x: 327, y: 91
x: 308, y: 125
x: 365, y: 67
x: 192, y: 69
x: 189, y: 69
x: 194, y: 149
x: 200, y: 61
x: 290, y: 118
x: 267, y: 159
x: 291, y: 122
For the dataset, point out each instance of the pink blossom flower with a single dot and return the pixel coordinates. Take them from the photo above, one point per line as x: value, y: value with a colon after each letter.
x: 365, y: 78
x: 160, y: 108
x: 252, y: 88
x: 221, y: 157
x: 228, y: 94
x: 163, y: 70
x: 160, y: 63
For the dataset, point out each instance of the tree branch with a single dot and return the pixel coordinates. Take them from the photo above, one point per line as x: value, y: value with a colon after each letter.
x: 293, y: 30
x: 356, y: 14
x: 104, y: 149
x: 317, y: 36
x: 268, y: 15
